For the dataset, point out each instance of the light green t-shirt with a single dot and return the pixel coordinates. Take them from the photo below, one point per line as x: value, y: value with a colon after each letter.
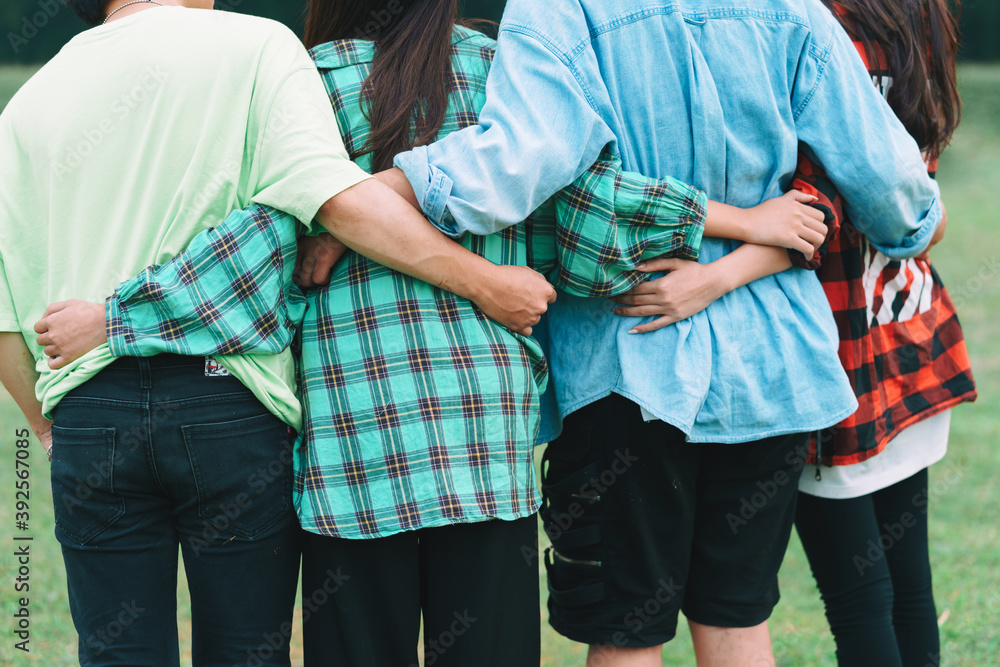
x: 138, y: 136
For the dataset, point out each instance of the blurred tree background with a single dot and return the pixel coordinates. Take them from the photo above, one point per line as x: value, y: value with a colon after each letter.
x: 32, y: 31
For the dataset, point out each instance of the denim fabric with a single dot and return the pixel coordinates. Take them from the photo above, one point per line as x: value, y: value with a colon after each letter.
x: 719, y: 95
x: 152, y: 453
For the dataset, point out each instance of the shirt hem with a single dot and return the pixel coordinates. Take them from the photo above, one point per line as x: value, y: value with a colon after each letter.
x: 440, y: 522
x: 873, y: 480
x: 732, y: 436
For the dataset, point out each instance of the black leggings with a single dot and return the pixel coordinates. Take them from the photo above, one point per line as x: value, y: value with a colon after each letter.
x: 869, y: 557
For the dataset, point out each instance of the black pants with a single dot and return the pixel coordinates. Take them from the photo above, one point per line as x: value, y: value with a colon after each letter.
x: 869, y: 556
x: 151, y: 454
x: 476, y: 584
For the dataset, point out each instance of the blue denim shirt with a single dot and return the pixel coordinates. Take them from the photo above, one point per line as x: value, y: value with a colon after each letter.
x: 720, y: 95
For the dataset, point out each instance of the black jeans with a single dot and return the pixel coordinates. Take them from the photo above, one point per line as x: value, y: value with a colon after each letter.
x: 870, y: 559
x: 475, y: 584
x: 151, y: 454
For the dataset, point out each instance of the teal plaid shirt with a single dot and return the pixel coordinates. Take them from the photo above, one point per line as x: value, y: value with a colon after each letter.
x: 420, y: 411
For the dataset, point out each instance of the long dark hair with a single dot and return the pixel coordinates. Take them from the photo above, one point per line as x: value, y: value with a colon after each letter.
x: 920, y: 41
x: 406, y: 94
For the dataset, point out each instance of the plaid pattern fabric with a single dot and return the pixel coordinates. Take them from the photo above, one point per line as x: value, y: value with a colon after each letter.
x: 901, y: 342
x: 590, y: 237
x: 243, y: 268
x: 421, y: 411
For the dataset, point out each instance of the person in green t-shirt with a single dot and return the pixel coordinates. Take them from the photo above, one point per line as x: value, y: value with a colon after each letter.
x: 142, y: 133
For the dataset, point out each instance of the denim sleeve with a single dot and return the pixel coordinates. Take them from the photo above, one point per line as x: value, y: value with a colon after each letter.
x: 848, y: 128
x: 589, y: 239
x: 230, y: 292
x: 537, y: 133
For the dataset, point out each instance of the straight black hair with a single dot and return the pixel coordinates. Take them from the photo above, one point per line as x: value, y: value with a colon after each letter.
x: 92, y: 12
x: 406, y: 94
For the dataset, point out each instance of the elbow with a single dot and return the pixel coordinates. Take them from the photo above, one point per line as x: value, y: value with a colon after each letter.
x: 916, y: 240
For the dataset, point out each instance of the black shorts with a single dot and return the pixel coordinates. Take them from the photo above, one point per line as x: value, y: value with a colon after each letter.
x: 644, y: 525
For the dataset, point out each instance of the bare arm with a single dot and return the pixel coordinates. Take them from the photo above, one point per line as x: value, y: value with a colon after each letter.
x: 373, y: 220
x: 690, y: 288
x: 785, y: 221
x: 396, y: 179
x: 19, y: 376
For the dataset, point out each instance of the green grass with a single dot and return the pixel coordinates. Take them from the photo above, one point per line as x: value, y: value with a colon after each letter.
x: 965, y: 547
x: 12, y: 78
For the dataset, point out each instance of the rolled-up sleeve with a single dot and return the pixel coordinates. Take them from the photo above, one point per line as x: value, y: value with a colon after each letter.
x: 537, y: 133
x: 229, y: 292
x: 591, y: 237
x: 849, y: 129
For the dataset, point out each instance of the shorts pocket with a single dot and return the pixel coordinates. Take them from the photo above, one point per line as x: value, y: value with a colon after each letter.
x: 573, y: 583
x: 83, y: 491
x: 243, y: 473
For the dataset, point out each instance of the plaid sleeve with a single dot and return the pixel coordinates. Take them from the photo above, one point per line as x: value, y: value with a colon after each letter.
x: 229, y: 292
x: 591, y: 237
x: 812, y: 180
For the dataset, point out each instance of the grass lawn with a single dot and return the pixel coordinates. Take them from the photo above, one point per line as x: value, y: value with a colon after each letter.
x: 965, y: 544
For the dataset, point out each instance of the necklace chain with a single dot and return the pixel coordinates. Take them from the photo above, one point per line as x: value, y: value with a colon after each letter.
x: 134, y: 2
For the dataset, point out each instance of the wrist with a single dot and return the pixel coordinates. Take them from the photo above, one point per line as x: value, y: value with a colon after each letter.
x: 41, y: 427
x: 745, y: 227
x: 473, y: 279
x: 720, y: 280
x: 729, y: 222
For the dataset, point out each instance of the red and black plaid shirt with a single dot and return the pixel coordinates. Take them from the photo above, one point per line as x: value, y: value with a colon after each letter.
x: 900, y: 339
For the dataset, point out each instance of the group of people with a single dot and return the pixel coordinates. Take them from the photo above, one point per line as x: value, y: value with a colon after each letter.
x: 269, y: 307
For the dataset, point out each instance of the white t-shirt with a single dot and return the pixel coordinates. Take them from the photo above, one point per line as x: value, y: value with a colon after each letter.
x: 915, y: 448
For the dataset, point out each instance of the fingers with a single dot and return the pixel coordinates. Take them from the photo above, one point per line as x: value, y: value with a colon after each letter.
x: 321, y: 273
x: 802, y: 197
x: 55, y: 363
x: 305, y: 272
x: 807, y: 249
x: 553, y: 295
x: 51, y: 351
x: 664, y: 321
x: 814, y: 215
x: 631, y: 299
x: 817, y: 224
x: 660, y: 264
x: 56, y: 307
x: 648, y: 287
x: 41, y: 326
x: 639, y: 311
x: 297, y: 271
x: 813, y: 238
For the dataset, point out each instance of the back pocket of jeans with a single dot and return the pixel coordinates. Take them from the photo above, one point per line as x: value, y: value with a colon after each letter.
x: 243, y: 473
x: 83, y: 489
